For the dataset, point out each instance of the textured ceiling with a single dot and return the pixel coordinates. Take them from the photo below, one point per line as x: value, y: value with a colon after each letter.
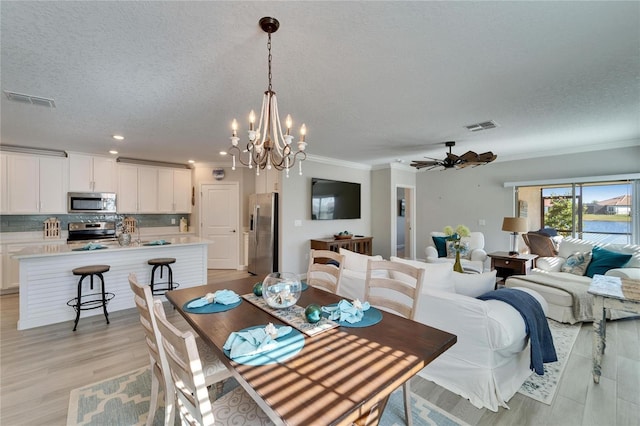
x: 373, y: 81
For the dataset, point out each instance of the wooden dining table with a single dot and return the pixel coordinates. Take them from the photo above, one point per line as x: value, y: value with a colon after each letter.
x: 341, y: 376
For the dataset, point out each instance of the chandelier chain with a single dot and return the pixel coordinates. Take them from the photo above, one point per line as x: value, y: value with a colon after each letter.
x: 269, y: 57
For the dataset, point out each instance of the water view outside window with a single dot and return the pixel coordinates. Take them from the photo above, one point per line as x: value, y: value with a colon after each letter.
x: 592, y: 212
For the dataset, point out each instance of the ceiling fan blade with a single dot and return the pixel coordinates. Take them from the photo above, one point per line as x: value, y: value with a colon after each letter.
x: 418, y: 164
x: 469, y: 156
x: 487, y: 157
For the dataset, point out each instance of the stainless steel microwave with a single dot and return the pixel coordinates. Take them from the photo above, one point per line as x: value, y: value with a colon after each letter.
x: 91, y: 202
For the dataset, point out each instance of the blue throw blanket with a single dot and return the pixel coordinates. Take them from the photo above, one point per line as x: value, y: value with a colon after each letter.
x: 542, y: 349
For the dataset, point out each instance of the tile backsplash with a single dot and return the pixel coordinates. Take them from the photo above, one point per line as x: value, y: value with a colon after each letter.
x: 30, y: 223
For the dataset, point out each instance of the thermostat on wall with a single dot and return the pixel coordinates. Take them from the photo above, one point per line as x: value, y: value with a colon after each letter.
x: 218, y: 174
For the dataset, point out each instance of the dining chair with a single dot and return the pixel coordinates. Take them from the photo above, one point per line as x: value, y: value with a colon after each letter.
x: 186, y: 373
x: 323, y: 272
x: 396, y: 287
x: 215, y: 371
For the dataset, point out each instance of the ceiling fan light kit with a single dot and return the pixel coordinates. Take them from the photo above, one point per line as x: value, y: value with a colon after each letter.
x: 453, y: 161
x: 268, y: 146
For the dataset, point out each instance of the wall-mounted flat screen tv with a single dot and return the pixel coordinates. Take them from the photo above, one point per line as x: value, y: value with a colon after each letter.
x: 332, y: 199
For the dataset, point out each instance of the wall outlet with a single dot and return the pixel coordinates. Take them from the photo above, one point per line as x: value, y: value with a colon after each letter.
x: 173, y: 221
x: 481, y: 222
x: 297, y: 222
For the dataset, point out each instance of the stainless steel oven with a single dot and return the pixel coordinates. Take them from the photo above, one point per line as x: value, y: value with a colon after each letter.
x: 91, y: 202
x: 91, y: 231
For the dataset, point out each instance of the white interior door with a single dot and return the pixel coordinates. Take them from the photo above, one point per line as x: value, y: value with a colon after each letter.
x: 404, y: 245
x: 219, y: 215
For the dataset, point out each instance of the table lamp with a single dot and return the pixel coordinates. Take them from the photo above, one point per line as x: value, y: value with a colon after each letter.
x: 514, y: 225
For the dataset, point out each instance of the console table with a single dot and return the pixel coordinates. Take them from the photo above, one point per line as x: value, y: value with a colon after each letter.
x: 361, y: 245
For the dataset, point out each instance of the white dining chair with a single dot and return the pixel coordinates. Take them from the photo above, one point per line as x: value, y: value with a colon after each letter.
x: 186, y: 372
x: 325, y: 276
x: 396, y: 287
x: 215, y: 371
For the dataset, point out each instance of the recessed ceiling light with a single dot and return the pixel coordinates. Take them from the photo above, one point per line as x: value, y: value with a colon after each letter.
x: 118, y: 137
x: 113, y: 151
x: 191, y: 161
x: 223, y: 152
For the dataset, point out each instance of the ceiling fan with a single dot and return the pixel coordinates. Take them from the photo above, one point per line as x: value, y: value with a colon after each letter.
x: 467, y: 159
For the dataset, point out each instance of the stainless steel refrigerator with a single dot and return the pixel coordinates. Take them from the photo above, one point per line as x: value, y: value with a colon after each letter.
x: 263, y: 234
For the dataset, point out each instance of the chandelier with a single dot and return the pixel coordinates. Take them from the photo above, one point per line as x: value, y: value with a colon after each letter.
x: 268, y: 146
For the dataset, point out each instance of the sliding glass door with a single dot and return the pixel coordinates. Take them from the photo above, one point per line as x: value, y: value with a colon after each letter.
x: 594, y: 211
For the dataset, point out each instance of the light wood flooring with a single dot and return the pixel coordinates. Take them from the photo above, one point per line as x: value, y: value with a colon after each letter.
x: 39, y: 367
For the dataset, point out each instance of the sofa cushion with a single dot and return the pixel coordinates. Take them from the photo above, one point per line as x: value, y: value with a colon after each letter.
x: 473, y: 285
x: 440, y: 244
x: 552, y: 295
x: 602, y: 260
x: 568, y: 246
x: 438, y: 276
x: 356, y: 261
x: 577, y: 263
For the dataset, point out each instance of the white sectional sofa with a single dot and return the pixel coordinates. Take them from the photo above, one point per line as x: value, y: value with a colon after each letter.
x: 491, y: 358
x: 566, y: 292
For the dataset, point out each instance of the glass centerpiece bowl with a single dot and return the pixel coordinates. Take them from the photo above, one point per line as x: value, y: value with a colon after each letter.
x: 281, y: 289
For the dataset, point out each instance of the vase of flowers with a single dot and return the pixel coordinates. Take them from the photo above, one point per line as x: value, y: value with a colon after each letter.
x: 455, y: 237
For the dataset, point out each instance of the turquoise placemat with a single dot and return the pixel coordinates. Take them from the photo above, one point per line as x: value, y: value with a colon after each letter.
x: 371, y: 317
x: 288, y: 346
x: 86, y: 249
x: 210, y: 308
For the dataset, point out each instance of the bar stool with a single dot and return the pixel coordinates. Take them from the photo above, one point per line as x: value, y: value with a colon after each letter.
x: 93, y: 300
x: 162, y: 262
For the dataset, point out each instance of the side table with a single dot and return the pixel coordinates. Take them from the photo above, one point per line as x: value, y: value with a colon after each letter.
x: 508, y: 265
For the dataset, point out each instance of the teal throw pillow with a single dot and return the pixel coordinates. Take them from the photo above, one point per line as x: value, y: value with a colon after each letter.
x: 602, y: 260
x: 441, y: 245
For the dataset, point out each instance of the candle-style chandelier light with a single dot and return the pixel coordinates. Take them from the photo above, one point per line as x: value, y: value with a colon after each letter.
x: 268, y: 146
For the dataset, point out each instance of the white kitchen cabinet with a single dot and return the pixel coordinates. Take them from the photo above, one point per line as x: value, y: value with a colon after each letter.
x: 127, y: 195
x: 182, y: 191
x: 4, y: 207
x: 10, y: 273
x: 23, y: 173
x: 174, y: 191
x: 269, y: 180
x: 137, y: 189
x: 92, y: 173
x: 147, y: 189
x: 53, y: 185
x: 35, y: 184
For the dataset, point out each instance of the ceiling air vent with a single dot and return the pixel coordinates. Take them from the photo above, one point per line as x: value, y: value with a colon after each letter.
x: 485, y: 125
x: 28, y: 99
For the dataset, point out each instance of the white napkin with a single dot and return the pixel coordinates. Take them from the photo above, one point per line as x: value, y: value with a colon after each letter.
x: 254, y: 341
x: 223, y: 297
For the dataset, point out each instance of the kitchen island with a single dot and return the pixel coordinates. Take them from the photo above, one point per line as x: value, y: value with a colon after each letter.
x: 46, y: 281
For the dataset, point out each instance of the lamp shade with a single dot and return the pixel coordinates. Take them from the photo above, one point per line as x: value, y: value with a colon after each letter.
x: 515, y: 224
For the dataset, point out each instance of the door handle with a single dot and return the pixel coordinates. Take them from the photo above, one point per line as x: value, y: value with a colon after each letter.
x: 233, y: 231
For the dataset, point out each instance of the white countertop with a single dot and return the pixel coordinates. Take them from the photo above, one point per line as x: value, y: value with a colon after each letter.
x: 60, y: 248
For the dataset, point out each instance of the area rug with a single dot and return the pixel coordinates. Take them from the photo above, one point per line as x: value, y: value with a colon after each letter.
x: 124, y: 401
x: 543, y: 388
